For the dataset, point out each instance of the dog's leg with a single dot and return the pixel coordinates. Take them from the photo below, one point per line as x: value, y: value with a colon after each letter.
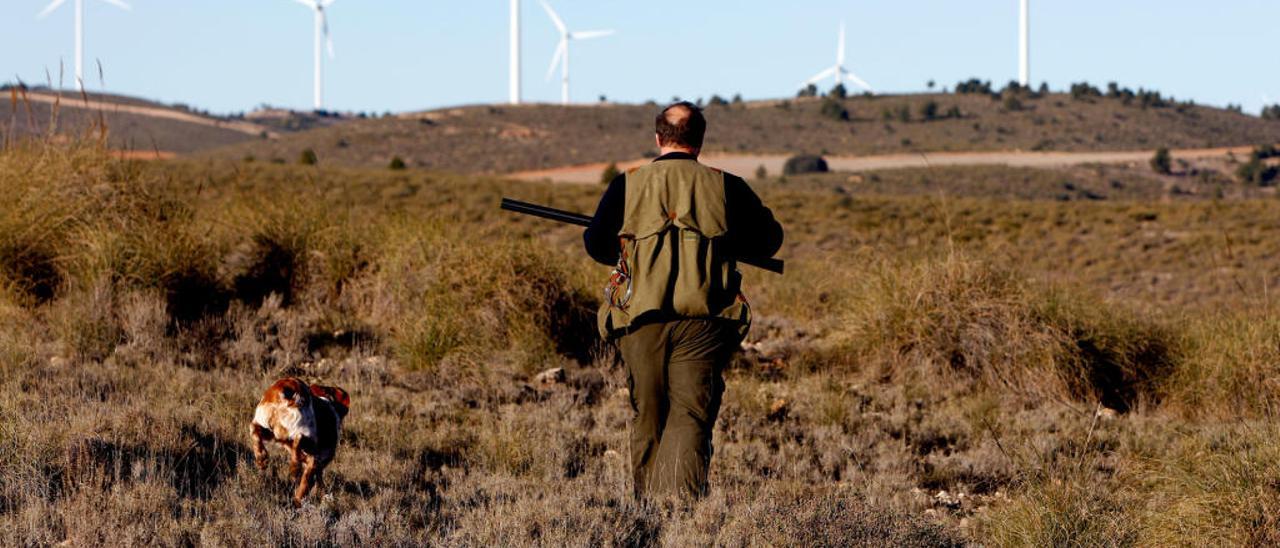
x: 317, y: 482
x: 259, y: 435
x: 308, y: 479
x: 295, y: 459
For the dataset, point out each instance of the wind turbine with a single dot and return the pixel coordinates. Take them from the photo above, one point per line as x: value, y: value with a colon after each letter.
x: 1024, y: 45
x: 838, y: 72
x: 79, y: 30
x: 514, y: 74
x: 561, y: 56
x: 322, y: 32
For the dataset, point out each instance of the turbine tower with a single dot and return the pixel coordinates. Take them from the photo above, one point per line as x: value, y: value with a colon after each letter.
x: 79, y: 30
x: 514, y: 74
x: 322, y: 34
x: 838, y: 72
x: 1024, y: 45
x: 561, y: 56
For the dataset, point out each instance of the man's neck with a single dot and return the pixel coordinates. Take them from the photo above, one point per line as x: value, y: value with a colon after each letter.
x: 668, y: 150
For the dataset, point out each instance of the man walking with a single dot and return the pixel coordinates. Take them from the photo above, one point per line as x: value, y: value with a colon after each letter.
x: 673, y: 230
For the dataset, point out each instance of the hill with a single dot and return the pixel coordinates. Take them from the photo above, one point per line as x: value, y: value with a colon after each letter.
x: 503, y: 139
x: 131, y: 123
x: 139, y: 124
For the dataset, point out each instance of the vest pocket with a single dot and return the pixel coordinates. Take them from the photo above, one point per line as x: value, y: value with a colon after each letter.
x: 699, y: 279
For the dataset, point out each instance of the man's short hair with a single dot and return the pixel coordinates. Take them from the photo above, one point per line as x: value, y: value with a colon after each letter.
x: 681, y: 125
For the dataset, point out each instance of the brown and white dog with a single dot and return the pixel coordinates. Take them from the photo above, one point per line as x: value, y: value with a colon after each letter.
x: 307, y: 420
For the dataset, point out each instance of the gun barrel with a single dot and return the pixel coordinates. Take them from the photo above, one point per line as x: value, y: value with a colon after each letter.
x: 569, y: 217
x: 546, y: 212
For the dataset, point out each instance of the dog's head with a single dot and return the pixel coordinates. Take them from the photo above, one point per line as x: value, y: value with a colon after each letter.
x: 337, y: 396
x: 293, y: 392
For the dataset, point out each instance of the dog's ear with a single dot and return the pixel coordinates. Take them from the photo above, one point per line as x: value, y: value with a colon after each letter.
x: 337, y: 396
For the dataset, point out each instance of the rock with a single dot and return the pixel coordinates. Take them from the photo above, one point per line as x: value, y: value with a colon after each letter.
x: 611, y: 454
x: 554, y: 375
x: 59, y: 361
x: 778, y: 409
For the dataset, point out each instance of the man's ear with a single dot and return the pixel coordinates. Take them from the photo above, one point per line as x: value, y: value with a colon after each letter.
x: 657, y: 140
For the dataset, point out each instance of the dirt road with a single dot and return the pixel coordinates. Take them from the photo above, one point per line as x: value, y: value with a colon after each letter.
x: 746, y: 164
x: 75, y: 101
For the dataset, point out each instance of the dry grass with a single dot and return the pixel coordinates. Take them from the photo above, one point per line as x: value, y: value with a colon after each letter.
x: 933, y: 393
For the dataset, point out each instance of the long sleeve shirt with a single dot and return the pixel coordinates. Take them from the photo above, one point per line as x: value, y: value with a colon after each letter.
x: 752, y: 230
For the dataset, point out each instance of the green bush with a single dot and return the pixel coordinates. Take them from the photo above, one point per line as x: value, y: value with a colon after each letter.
x: 833, y: 109
x: 308, y: 157
x: 1256, y: 172
x: 397, y: 163
x: 1162, y: 162
x: 805, y: 163
x: 929, y: 110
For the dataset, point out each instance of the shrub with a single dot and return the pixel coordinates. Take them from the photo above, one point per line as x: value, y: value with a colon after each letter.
x: 929, y: 110
x: 810, y: 90
x: 308, y: 157
x: 761, y: 173
x: 833, y: 109
x: 974, y: 86
x: 903, y: 113
x: 1271, y: 112
x: 1256, y: 172
x: 838, y: 91
x: 718, y: 101
x: 1083, y: 91
x: 397, y: 163
x: 610, y: 173
x: 1012, y: 103
x: 1162, y: 162
x: 992, y: 328
x: 804, y: 163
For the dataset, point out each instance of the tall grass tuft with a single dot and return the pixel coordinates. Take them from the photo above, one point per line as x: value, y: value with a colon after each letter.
x: 969, y: 321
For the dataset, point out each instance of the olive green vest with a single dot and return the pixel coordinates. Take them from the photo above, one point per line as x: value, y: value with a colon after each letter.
x: 673, y: 262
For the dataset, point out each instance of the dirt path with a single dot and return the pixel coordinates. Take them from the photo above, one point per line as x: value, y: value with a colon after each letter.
x: 746, y: 164
x: 73, y: 101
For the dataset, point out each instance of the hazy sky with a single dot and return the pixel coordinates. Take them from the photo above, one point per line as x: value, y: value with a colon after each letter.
x: 231, y: 55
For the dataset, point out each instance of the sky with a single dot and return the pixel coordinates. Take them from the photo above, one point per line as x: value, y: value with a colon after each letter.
x: 403, y: 55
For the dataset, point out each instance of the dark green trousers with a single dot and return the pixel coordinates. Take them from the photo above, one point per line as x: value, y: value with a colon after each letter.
x: 674, y: 371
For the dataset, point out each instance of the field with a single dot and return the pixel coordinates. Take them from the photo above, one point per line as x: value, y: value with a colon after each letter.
x: 956, y: 355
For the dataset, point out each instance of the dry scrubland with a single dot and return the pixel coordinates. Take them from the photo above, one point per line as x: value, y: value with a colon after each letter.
x: 504, y: 139
x: 933, y: 370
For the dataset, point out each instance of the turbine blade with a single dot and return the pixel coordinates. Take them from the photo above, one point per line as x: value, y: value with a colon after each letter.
x: 555, y: 57
x: 307, y: 3
x: 324, y: 28
x: 840, y: 47
x: 818, y: 77
x: 119, y: 4
x: 50, y: 8
x: 327, y: 3
x: 860, y: 83
x: 555, y: 19
x: 589, y: 34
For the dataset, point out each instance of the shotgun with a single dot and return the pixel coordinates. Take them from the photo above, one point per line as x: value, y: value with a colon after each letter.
x: 569, y: 217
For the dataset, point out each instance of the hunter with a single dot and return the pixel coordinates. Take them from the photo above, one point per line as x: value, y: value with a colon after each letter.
x: 673, y: 229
